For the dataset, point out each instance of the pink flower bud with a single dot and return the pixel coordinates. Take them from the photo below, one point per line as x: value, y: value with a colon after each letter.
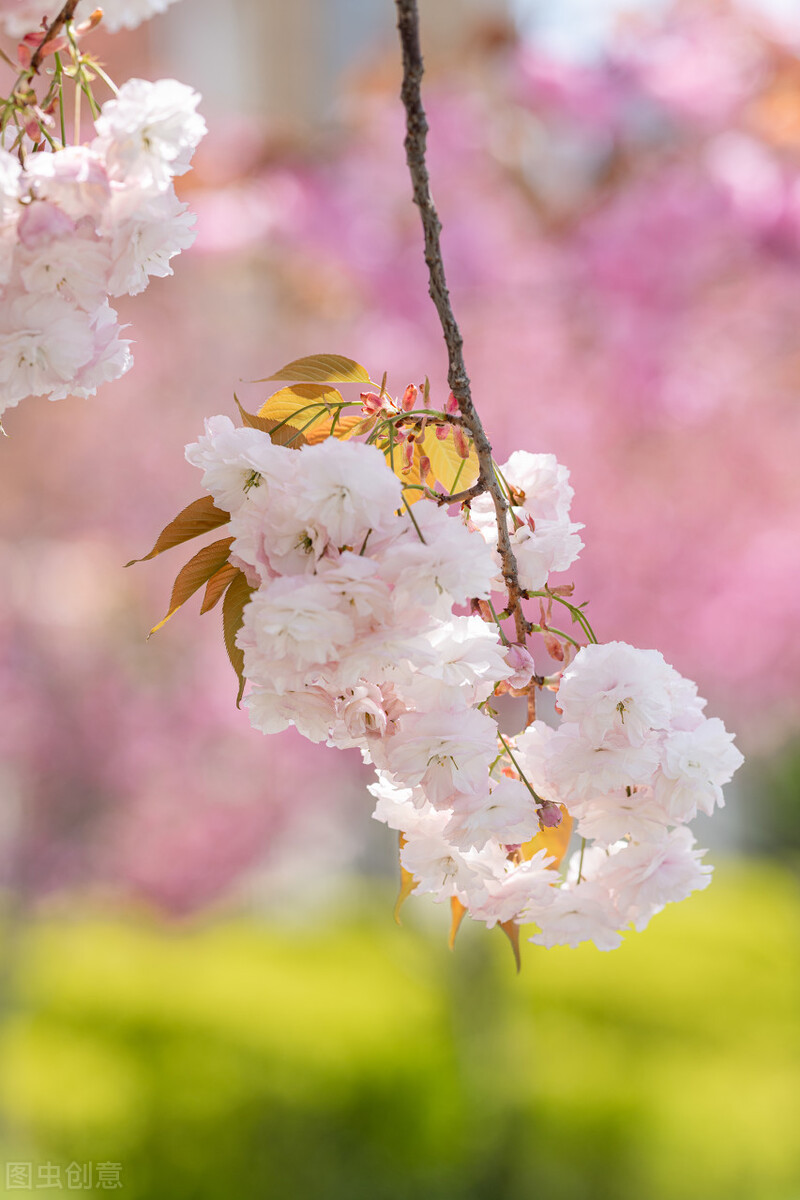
x: 460, y: 442
x: 409, y: 400
x: 424, y: 467
x: 553, y: 646
x: 451, y: 405
x: 550, y: 815
x: 442, y: 431
x: 519, y: 659
x: 372, y: 403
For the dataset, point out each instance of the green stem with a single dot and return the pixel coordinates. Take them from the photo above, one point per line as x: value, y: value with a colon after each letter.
x: 497, y: 622
x: 106, y: 80
x: 558, y: 632
x: 580, y: 862
x: 577, y: 613
x: 414, y: 521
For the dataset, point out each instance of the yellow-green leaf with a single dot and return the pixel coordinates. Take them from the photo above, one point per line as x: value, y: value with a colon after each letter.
x: 200, y: 516
x: 304, y: 405
x: 236, y: 597
x: 287, y: 435
x: 412, y: 476
x: 197, y: 571
x: 453, y: 472
x: 321, y: 368
x: 216, y: 586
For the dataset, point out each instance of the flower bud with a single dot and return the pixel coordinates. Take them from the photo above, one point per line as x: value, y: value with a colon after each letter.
x: 372, y: 403
x: 550, y: 815
x: 409, y: 400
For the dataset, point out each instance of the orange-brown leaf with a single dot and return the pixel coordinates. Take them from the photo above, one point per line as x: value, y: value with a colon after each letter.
x: 236, y: 597
x: 407, y: 884
x: 554, y: 840
x: 345, y: 428
x: 287, y: 435
x: 457, y: 911
x: 199, y: 517
x: 198, y: 570
x: 511, y: 930
x: 216, y: 586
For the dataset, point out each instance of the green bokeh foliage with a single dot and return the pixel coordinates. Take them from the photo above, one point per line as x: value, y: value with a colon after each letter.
x: 359, y: 1061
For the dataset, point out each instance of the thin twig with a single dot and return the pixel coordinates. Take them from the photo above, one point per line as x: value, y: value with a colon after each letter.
x: 477, y: 489
x: 52, y: 32
x: 415, y: 144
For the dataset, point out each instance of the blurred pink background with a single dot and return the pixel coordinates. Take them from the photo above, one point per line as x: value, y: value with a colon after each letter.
x: 622, y: 241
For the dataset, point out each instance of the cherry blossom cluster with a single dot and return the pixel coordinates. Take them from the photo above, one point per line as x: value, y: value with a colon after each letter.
x: 18, y: 17
x: 370, y: 625
x: 80, y: 225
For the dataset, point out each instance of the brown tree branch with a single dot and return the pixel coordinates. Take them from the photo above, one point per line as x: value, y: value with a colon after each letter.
x: 415, y: 144
x: 52, y: 32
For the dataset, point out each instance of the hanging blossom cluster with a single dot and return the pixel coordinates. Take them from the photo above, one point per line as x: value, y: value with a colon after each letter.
x: 82, y: 224
x: 367, y: 620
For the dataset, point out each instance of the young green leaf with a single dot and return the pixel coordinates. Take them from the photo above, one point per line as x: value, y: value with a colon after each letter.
x: 201, y: 516
x: 197, y: 571
x: 236, y: 597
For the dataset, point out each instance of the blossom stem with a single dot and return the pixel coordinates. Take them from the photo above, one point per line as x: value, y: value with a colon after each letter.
x: 414, y: 521
x: 502, y: 631
x: 415, y: 144
x: 580, y: 860
x: 60, y: 83
x: 520, y: 771
x: 559, y: 633
x: 105, y: 78
x: 577, y: 613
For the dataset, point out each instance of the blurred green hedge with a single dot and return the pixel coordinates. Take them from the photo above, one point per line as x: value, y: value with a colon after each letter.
x: 360, y: 1061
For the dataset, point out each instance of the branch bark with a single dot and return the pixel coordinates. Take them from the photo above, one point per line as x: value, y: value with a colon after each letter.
x: 416, y: 144
x: 53, y: 30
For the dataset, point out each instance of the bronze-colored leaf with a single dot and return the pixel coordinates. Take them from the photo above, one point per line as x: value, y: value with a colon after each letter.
x: 407, y: 884
x: 199, y: 517
x: 320, y: 368
x: 457, y: 911
x: 216, y: 586
x: 238, y: 593
x: 287, y: 435
x: 511, y: 930
x: 197, y: 571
